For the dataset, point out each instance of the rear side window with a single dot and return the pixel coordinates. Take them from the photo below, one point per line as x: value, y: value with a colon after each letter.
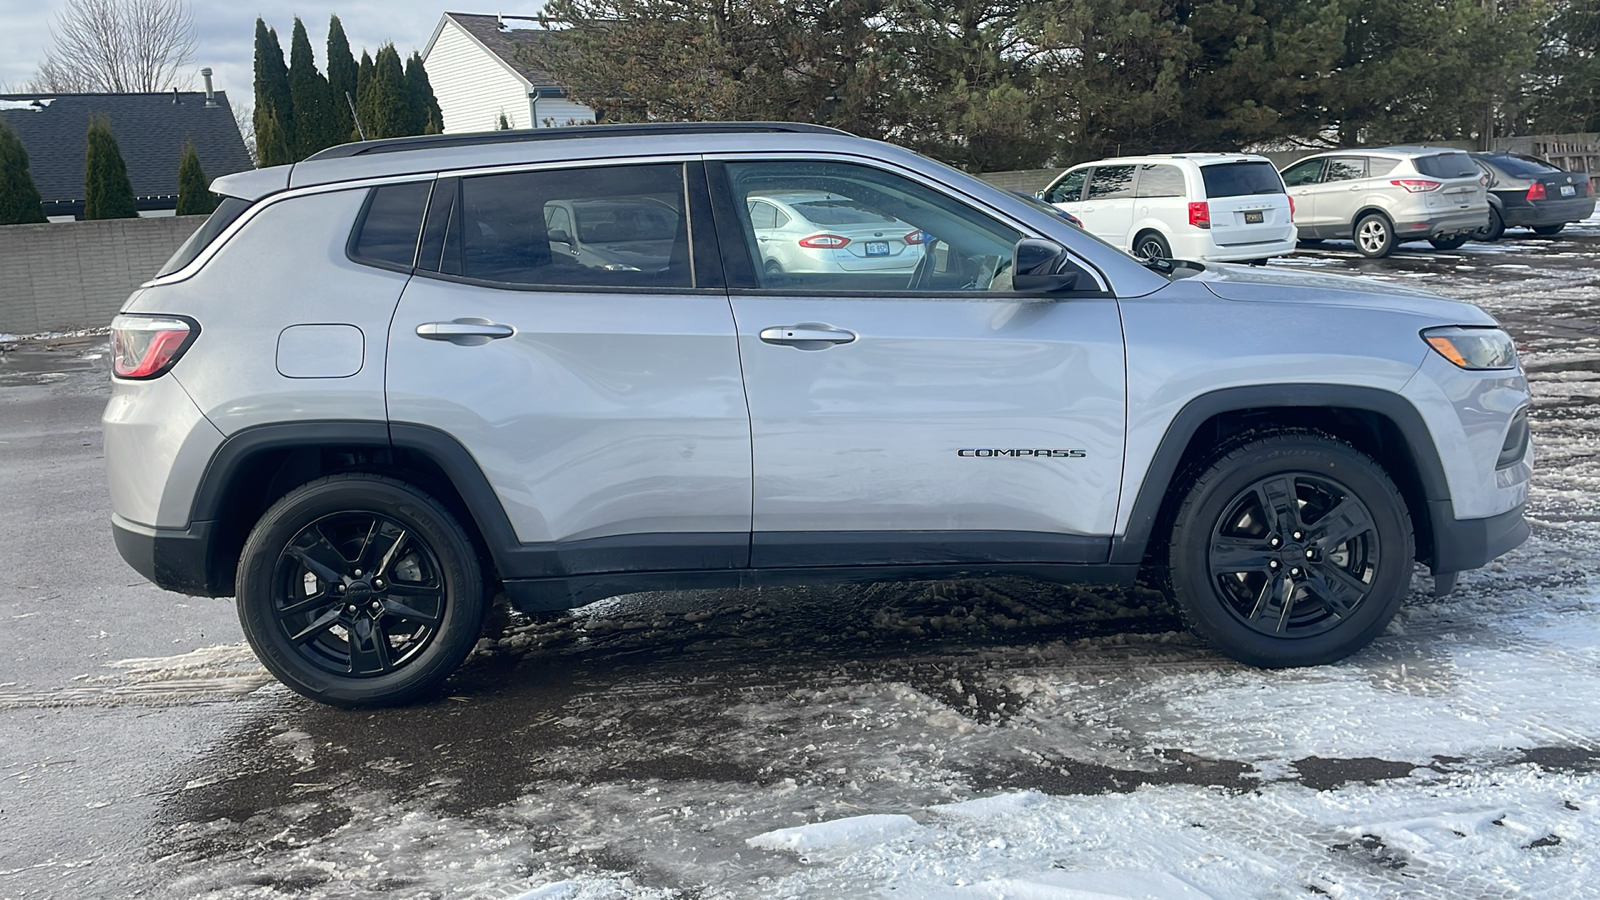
x: 1346, y: 168
x: 1241, y: 178
x: 226, y: 213
x: 1162, y: 181
x: 1447, y: 165
x: 1111, y: 182
x: 629, y: 228
x: 386, y: 234
x: 1378, y: 166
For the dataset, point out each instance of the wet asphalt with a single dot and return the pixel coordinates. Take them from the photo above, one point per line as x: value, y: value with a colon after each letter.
x: 192, y: 774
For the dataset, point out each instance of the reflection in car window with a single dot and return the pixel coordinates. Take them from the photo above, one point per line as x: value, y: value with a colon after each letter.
x: 1302, y: 173
x: 1160, y: 181
x: 1111, y: 182
x: 1068, y: 190
x: 850, y: 229
x: 629, y: 227
x: 1346, y: 168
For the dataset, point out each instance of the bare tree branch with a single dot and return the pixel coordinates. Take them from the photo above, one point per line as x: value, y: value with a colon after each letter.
x: 119, y: 46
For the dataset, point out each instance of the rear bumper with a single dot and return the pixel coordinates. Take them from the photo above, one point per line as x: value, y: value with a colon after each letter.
x: 175, y: 559
x: 1549, y: 212
x: 1441, y: 225
x: 1462, y: 544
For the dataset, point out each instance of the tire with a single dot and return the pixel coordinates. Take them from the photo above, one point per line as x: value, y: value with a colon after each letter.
x: 1151, y: 245
x: 1449, y: 243
x: 382, y: 637
x: 1230, y: 581
x: 1494, y: 230
x: 1547, y: 230
x: 1374, y: 235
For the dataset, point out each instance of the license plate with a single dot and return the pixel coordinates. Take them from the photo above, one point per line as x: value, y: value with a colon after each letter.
x: 1568, y: 190
x: 877, y: 248
x: 1253, y: 218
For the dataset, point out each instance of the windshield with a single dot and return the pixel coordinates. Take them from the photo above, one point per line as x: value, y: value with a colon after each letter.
x: 1241, y: 178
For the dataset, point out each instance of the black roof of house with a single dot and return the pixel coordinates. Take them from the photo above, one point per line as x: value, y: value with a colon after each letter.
x: 151, y: 130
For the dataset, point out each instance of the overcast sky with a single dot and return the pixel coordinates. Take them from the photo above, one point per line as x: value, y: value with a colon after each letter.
x: 226, y: 32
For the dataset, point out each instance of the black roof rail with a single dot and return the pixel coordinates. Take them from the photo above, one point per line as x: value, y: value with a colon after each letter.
x: 479, y: 138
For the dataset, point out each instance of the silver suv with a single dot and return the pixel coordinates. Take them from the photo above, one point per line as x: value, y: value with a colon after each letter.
x: 369, y: 395
x: 1384, y: 196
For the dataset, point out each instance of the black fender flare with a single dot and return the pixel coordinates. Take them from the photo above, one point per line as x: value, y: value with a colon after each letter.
x: 1129, y: 547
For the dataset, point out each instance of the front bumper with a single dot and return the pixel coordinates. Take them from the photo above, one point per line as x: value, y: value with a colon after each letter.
x: 1462, y: 544
x: 175, y: 559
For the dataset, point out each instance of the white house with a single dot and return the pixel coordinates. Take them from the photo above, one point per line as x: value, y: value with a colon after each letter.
x: 478, y: 76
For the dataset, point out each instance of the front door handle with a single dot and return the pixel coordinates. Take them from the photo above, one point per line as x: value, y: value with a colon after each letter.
x: 469, y: 332
x: 807, y: 336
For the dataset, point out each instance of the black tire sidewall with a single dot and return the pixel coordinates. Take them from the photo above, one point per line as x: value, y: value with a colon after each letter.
x: 1495, y: 229
x: 1451, y: 243
x: 1216, y: 488
x: 464, y: 589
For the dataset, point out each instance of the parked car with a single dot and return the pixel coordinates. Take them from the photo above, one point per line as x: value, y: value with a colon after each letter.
x: 1529, y: 192
x: 1219, y: 207
x: 1382, y: 197
x: 621, y: 235
x: 367, y: 397
x: 817, y: 231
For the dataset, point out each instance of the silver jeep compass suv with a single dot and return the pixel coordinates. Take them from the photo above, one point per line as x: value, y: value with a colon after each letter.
x: 375, y: 390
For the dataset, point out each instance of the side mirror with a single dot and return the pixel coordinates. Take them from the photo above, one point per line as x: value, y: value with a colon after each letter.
x: 558, y: 237
x: 1038, y: 265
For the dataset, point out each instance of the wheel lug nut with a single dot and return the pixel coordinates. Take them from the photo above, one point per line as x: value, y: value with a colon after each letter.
x: 338, y: 588
x: 1274, y: 542
x: 377, y: 582
x: 1297, y: 536
x: 376, y: 606
x: 1311, y: 554
x: 1273, y: 565
x: 1295, y: 571
x: 351, y: 609
x: 358, y: 573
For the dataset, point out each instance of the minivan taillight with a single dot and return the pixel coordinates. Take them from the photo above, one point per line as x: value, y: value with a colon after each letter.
x: 1417, y: 185
x: 1200, y: 214
x: 1536, y: 191
x: 147, y: 346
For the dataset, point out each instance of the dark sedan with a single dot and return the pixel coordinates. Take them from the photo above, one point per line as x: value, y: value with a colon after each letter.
x: 1527, y: 191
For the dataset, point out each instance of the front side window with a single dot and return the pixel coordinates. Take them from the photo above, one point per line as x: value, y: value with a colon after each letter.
x: 1303, y: 173
x: 1067, y: 190
x: 623, y: 226
x: 1111, y: 183
x: 1346, y: 168
x: 850, y: 228
x: 1160, y: 181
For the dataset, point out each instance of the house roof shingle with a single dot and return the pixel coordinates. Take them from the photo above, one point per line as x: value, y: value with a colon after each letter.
x: 505, y: 42
x: 151, y: 130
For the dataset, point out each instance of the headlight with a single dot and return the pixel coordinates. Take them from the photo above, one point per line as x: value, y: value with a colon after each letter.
x: 1473, y: 348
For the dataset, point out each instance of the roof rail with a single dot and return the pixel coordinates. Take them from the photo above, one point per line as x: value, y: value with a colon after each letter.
x: 478, y: 138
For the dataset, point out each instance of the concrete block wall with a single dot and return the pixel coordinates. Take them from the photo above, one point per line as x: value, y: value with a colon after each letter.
x: 68, y: 275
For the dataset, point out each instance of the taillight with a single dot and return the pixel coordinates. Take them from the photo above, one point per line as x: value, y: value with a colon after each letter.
x: 147, y: 346
x: 917, y: 237
x: 1200, y: 214
x: 1291, y: 209
x: 1417, y: 185
x: 824, y: 242
x: 1536, y: 192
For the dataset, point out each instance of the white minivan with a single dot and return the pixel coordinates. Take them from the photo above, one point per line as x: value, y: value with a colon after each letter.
x: 1223, y: 207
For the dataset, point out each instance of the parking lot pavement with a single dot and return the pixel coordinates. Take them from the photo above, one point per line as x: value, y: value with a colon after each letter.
x: 824, y: 743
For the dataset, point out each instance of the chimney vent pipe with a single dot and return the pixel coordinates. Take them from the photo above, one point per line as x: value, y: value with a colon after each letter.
x: 211, y: 95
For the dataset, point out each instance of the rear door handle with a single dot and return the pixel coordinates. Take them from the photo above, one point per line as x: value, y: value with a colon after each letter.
x: 464, y: 332
x: 807, y: 336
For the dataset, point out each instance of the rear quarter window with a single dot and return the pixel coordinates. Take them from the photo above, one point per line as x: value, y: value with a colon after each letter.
x: 386, y: 232
x: 1446, y: 165
x: 1241, y: 178
x: 226, y: 213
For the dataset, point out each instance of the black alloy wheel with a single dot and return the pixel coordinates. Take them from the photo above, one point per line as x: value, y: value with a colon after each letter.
x: 1493, y: 231
x: 1291, y: 549
x: 360, y: 590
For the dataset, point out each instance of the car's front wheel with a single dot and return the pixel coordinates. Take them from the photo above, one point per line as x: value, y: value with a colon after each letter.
x: 360, y: 590
x: 1294, y: 549
x: 1374, y: 235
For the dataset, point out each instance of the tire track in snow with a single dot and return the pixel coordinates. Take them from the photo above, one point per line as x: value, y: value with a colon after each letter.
x: 209, y: 675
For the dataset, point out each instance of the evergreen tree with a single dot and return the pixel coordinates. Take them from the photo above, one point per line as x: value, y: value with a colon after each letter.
x: 310, y: 97
x: 364, y: 84
x: 425, y: 115
x: 19, y: 197
x: 270, y: 140
x: 342, y: 75
x: 273, y: 98
x: 107, y: 193
x: 194, y: 190
x: 385, y: 106
x: 502, y: 124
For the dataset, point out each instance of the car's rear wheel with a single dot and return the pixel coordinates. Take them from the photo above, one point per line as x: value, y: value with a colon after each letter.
x: 1449, y: 243
x: 1548, y: 230
x: 1151, y: 245
x: 1294, y: 549
x: 360, y: 590
x: 1374, y: 235
x: 1494, y: 230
